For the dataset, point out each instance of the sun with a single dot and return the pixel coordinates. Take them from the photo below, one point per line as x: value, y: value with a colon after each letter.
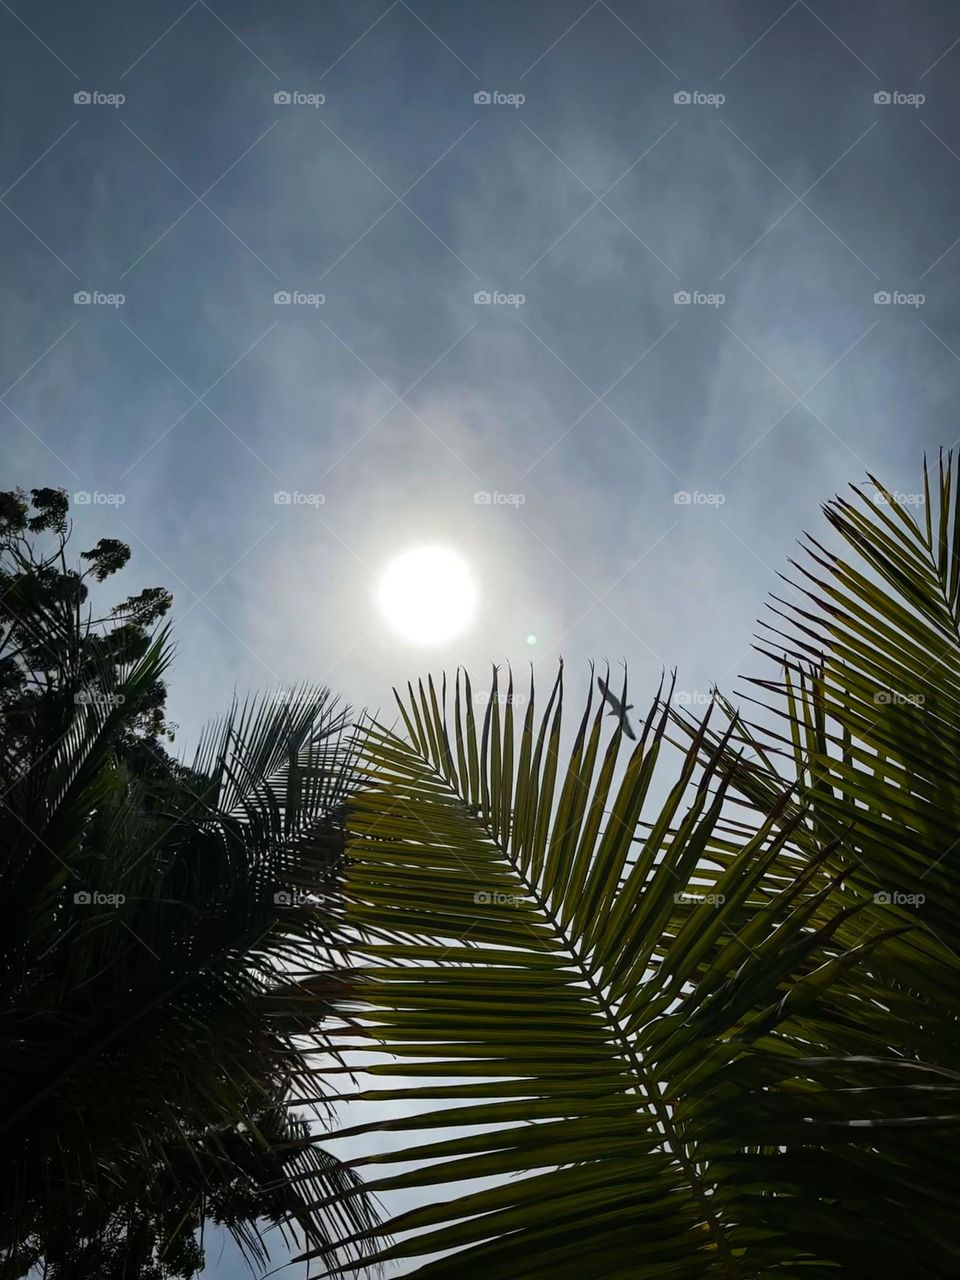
x: 428, y: 594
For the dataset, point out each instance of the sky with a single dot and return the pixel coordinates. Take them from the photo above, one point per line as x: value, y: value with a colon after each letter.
x: 721, y: 244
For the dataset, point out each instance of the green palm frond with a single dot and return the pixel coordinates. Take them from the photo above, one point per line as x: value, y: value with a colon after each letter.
x: 860, y: 721
x: 650, y: 1036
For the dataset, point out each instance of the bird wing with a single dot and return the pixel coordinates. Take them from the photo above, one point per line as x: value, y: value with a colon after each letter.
x: 608, y: 696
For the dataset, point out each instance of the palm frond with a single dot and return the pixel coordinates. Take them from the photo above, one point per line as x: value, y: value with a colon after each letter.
x: 859, y: 721
x: 672, y: 1050
x: 160, y: 995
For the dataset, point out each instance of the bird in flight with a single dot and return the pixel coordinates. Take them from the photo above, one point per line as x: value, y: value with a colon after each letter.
x: 617, y: 708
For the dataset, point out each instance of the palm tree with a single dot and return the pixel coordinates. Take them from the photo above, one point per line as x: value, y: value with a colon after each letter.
x: 715, y: 1035
x: 169, y: 958
x: 162, y: 1005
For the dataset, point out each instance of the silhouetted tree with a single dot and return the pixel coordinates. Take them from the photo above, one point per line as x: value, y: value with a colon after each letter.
x: 168, y: 938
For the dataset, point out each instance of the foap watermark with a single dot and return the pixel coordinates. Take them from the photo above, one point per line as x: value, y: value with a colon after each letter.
x: 894, y: 698
x: 493, y: 898
x: 284, y: 498
x: 898, y: 499
x: 94, y: 98
x: 94, y: 898
x: 494, y: 298
x: 894, y: 298
x: 84, y: 499
x: 689, y: 897
x: 693, y: 698
x: 688, y: 498
x: 94, y: 298
x: 97, y: 698
x: 694, y: 98
x: 894, y: 98
x: 484, y: 498
x: 484, y: 698
x: 295, y: 298
x: 894, y: 898
x: 294, y: 898
x: 686, y: 298
x: 494, y: 98
x: 297, y: 98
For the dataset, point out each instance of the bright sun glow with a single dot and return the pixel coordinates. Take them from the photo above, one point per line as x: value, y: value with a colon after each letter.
x: 428, y: 595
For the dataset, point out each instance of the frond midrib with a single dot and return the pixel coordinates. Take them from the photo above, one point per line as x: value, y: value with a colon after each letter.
x: 626, y: 1050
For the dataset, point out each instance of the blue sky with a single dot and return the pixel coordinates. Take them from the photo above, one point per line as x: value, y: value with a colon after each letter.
x: 599, y: 198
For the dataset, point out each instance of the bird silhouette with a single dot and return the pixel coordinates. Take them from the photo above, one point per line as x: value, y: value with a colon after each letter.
x: 617, y: 708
